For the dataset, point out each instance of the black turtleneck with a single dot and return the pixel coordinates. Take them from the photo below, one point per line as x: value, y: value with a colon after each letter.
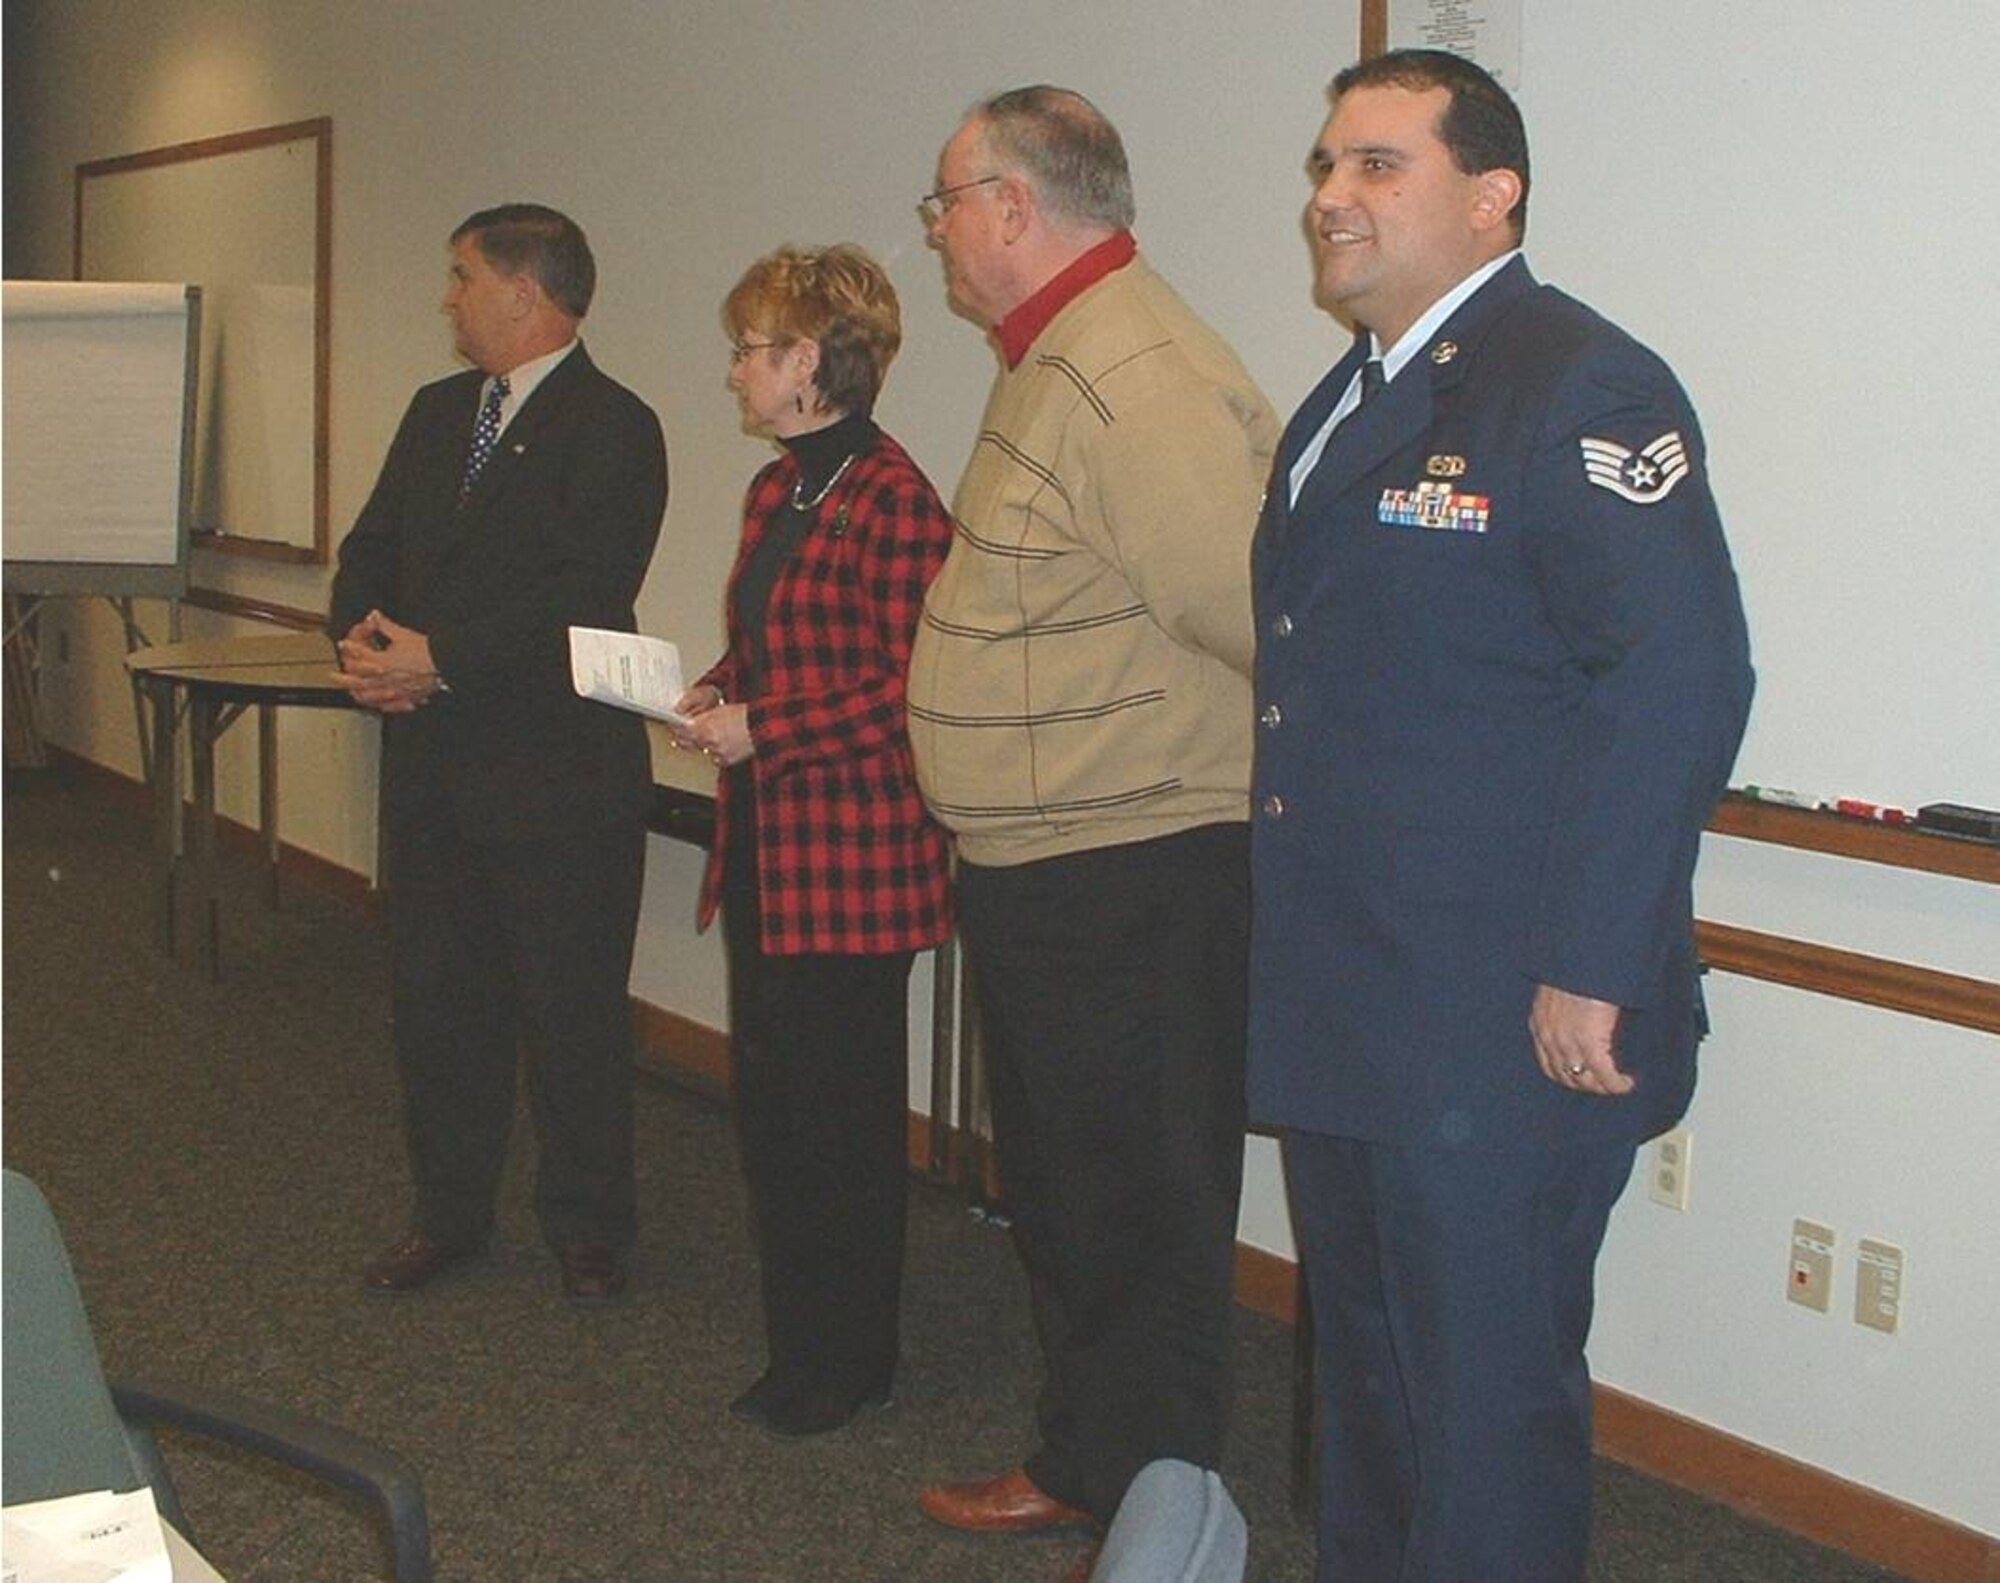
x: 820, y: 455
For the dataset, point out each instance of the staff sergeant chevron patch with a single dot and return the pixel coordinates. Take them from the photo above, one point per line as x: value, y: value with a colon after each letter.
x: 1642, y: 477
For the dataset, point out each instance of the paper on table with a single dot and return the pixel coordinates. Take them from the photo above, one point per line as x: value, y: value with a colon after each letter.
x: 99, y: 1537
x: 627, y: 671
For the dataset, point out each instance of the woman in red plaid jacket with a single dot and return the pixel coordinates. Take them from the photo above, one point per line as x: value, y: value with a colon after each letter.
x: 829, y: 874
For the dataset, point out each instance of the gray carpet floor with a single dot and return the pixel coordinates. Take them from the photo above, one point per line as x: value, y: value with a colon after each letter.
x: 225, y: 1156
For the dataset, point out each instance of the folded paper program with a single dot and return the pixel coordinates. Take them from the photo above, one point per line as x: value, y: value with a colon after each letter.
x: 98, y: 1537
x: 627, y: 671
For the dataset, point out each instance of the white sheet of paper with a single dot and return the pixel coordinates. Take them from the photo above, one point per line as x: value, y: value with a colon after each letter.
x: 97, y: 1537
x: 628, y: 671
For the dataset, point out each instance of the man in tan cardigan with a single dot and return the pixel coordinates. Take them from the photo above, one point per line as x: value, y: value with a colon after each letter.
x: 1080, y: 707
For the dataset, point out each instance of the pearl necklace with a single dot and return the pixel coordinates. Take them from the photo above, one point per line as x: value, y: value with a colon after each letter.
x: 807, y: 505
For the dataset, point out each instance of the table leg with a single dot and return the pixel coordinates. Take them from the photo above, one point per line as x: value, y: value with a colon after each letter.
x: 203, y: 729
x: 267, y: 794
x: 166, y: 804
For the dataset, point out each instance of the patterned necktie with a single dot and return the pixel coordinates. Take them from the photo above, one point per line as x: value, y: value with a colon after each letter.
x: 485, y: 433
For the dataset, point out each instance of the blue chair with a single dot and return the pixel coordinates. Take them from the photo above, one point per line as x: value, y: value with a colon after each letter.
x: 1176, y: 1524
x: 67, y: 1429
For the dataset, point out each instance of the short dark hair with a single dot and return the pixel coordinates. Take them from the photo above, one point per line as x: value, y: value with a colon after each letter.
x: 1482, y: 124
x: 531, y: 238
x: 1067, y: 148
x: 837, y: 296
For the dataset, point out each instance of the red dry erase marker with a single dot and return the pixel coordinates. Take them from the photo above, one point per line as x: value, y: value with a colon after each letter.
x: 1854, y: 808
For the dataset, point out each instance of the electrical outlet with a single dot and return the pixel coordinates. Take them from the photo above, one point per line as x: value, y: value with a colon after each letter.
x: 1810, y: 1283
x: 1878, y: 1286
x: 1673, y: 1158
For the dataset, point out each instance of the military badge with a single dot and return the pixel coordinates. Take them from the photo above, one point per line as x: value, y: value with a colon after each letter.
x: 1436, y: 507
x: 1445, y: 467
x: 1643, y: 476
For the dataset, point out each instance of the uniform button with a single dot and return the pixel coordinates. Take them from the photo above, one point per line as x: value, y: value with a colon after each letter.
x: 1274, y: 807
x: 1272, y: 717
x: 1281, y: 627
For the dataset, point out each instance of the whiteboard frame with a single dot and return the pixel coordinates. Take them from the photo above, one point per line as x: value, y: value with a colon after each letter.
x: 264, y: 542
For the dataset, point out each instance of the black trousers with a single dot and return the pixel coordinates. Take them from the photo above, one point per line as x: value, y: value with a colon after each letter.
x: 820, y: 1044
x: 503, y: 945
x: 1113, y: 988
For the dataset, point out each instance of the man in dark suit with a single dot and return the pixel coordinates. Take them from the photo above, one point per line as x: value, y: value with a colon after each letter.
x: 517, y: 499
x: 1501, y: 679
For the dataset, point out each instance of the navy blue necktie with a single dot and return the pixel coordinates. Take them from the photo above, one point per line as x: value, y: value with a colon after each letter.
x: 1372, y: 381
x: 485, y: 433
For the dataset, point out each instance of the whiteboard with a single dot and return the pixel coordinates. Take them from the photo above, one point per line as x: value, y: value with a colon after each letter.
x: 98, y: 423
x: 1787, y: 203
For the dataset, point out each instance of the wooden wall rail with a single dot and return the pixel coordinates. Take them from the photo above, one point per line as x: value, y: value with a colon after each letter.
x: 255, y: 609
x: 1872, y: 980
x: 1839, y: 836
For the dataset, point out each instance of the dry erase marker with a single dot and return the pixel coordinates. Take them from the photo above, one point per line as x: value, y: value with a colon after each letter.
x: 1854, y: 808
x: 1773, y: 794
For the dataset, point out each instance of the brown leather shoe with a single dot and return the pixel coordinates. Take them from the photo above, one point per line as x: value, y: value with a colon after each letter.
x: 412, y: 1265
x: 591, y: 1274
x: 1009, y: 1503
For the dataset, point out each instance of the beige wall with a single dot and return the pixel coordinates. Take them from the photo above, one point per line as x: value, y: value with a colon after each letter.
x: 1797, y: 220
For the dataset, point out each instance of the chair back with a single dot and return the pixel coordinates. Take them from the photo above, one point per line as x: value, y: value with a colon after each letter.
x: 59, y: 1433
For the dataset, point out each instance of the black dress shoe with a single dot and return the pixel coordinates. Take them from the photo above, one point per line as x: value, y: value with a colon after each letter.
x: 821, y: 1409
x: 592, y: 1275
x: 769, y: 1389
x: 412, y: 1265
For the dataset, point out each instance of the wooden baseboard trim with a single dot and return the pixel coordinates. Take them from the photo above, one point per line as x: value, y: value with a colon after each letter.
x: 680, y: 1049
x: 296, y: 866
x: 121, y: 787
x: 307, y: 870
x: 1267, y: 1284
x: 1792, y: 1495
x: 247, y: 609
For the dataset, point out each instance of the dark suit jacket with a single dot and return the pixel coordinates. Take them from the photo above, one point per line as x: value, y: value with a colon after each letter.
x: 558, y: 530
x: 1502, y: 675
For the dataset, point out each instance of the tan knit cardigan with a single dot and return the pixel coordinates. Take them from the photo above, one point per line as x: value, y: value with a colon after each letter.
x: 1081, y: 676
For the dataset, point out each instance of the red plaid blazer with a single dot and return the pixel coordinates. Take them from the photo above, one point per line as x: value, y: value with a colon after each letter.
x: 848, y: 860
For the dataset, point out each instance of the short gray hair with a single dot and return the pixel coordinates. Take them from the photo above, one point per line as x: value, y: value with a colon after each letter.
x: 533, y: 239
x: 1066, y: 148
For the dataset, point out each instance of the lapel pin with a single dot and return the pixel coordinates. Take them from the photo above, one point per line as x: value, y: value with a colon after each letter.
x: 1444, y: 352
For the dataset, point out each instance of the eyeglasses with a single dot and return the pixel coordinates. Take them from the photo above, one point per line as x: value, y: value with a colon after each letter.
x: 738, y: 350
x: 936, y: 205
